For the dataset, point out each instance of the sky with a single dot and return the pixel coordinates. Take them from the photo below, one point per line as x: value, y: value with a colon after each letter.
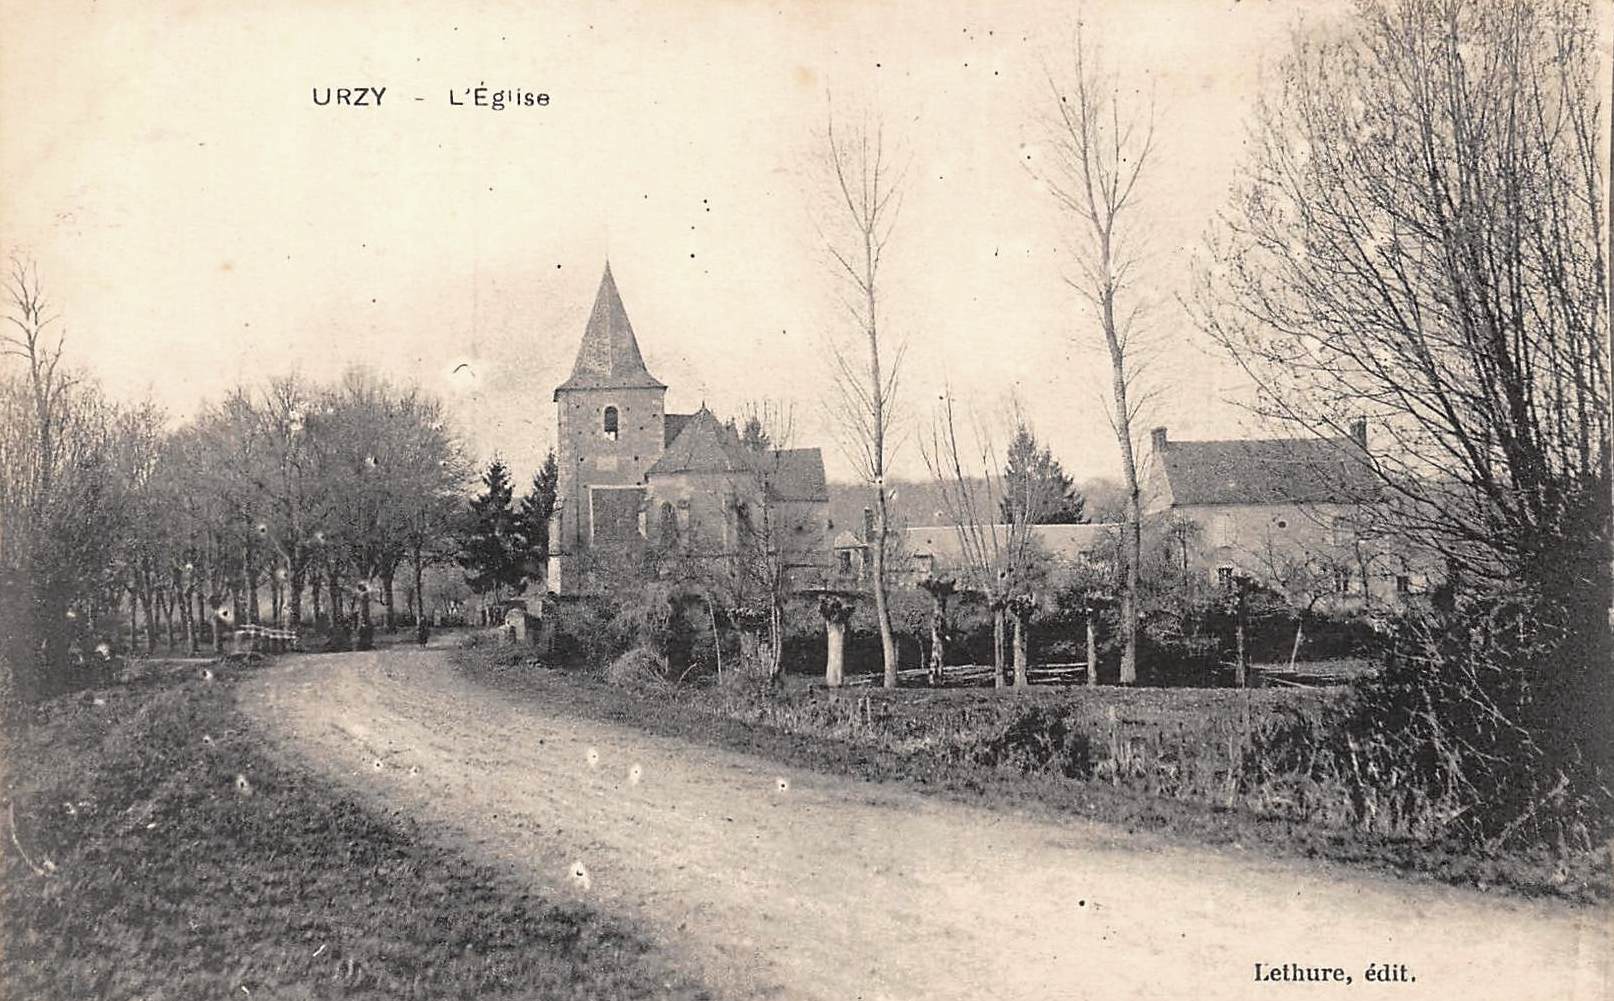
x: 200, y: 222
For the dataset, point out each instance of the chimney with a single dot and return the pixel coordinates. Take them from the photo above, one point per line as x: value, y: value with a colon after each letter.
x: 1158, y: 435
x: 868, y: 525
x: 1359, y: 432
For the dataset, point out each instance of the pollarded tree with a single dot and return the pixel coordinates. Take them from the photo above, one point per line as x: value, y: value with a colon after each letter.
x: 1001, y: 561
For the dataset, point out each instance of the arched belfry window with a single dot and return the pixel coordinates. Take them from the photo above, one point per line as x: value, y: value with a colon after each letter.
x: 610, y: 423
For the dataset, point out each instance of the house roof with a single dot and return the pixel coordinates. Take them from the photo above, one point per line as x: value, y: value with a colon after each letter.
x: 1267, y: 471
x: 846, y: 540
x: 609, y: 356
x: 704, y: 444
x: 1064, y: 543
x: 798, y: 474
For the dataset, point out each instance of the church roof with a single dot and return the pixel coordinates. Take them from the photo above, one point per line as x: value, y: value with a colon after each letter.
x: 798, y: 474
x: 674, y: 423
x: 609, y: 356
x: 1267, y: 471
x: 702, y: 446
x: 705, y: 445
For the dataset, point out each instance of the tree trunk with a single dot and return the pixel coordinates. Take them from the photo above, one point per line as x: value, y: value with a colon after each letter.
x: 420, y: 587
x: 997, y: 648
x: 1020, y: 678
x: 187, y: 613
x: 882, y: 610
x: 938, y: 641
x: 390, y: 601
x: 198, y: 617
x: 1132, y: 536
x: 750, y: 649
x: 334, y: 588
x: 294, y: 598
x: 1238, y: 635
x: 148, y: 599
x: 835, y: 661
x: 1092, y: 653
x: 776, y: 641
x: 249, y: 578
x: 134, y: 627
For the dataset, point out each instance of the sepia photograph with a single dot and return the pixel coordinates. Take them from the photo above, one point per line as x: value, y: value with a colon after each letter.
x: 913, y: 500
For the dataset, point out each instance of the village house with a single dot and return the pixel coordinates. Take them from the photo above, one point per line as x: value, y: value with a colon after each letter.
x: 938, y: 550
x: 1296, y: 515
x: 631, y: 473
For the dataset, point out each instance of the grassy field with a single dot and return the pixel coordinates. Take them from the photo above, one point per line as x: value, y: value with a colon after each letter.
x: 155, y: 850
x: 1168, y: 761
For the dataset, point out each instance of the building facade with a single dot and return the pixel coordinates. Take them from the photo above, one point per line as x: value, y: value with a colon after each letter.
x: 631, y: 473
x: 1297, y: 515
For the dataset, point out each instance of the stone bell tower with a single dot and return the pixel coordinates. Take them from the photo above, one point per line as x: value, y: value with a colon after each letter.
x: 612, y: 426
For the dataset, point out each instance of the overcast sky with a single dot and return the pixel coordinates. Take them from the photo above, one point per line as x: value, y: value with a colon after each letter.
x: 200, y: 221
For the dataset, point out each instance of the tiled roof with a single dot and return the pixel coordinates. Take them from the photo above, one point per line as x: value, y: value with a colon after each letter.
x: 701, y: 447
x: 704, y: 445
x: 1065, y: 543
x: 798, y: 474
x: 674, y: 424
x: 1267, y: 471
x: 609, y: 356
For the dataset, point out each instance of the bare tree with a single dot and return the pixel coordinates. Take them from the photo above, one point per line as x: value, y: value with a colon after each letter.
x: 1417, y: 238
x: 762, y: 564
x: 1000, y: 561
x: 866, y: 192
x: 1101, y: 148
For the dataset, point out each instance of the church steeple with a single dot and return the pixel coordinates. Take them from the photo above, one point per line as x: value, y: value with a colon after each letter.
x: 609, y: 356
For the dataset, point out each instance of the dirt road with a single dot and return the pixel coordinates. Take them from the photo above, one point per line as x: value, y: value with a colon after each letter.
x: 777, y: 883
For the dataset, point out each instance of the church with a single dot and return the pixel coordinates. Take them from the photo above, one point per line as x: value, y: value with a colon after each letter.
x: 630, y: 473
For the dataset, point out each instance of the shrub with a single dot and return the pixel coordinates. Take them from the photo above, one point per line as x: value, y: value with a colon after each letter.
x: 639, y: 668
x: 1039, y: 740
x: 583, y: 634
x: 1464, y: 734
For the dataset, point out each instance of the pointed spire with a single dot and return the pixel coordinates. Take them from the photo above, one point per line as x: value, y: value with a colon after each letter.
x: 609, y: 356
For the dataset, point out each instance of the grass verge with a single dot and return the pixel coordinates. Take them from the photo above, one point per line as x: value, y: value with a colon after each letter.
x: 1144, y: 760
x: 157, y: 852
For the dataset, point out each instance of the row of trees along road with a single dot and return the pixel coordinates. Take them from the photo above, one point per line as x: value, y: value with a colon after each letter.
x: 289, y: 491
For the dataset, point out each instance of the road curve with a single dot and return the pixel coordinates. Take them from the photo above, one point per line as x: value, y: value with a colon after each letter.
x: 772, y: 882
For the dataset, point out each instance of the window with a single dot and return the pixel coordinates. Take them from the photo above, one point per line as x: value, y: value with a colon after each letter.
x: 610, y: 423
x: 1403, y: 584
x: 1342, y: 580
x: 1224, y: 577
x: 846, y: 562
x: 1344, y: 531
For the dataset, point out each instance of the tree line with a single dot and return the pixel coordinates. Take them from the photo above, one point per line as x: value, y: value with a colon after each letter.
x: 289, y: 503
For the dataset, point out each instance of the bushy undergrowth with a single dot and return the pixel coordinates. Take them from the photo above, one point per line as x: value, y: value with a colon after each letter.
x: 1467, y: 734
x: 167, y: 857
